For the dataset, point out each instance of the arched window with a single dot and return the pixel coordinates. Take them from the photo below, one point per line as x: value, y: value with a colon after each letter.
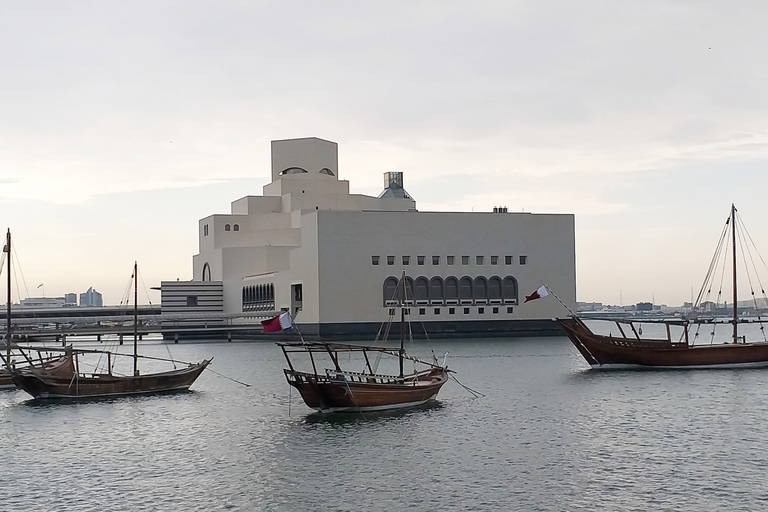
x: 327, y: 171
x: 293, y: 170
x: 421, y: 290
x: 436, y: 292
x: 509, y: 290
x: 481, y: 290
x: 206, y: 272
x: 390, y: 291
x: 226, y: 227
x: 451, y: 290
x: 465, y: 290
x: 236, y: 227
x: 494, y: 290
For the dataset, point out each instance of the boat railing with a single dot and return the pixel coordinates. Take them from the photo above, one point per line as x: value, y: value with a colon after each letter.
x: 361, y: 377
x: 369, y: 378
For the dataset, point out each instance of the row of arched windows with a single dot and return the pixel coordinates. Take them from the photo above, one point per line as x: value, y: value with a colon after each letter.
x: 259, y: 297
x: 452, y: 290
x: 227, y: 227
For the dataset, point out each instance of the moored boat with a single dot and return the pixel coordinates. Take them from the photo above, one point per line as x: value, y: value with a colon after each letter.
x: 629, y: 348
x: 336, y: 389
x: 46, y: 382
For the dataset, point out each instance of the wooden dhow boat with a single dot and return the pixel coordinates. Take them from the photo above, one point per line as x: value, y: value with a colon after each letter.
x: 44, y: 361
x: 686, y: 349
x: 73, y: 383
x: 335, y: 389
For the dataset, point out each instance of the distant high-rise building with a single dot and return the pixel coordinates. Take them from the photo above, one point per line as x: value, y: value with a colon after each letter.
x: 70, y: 299
x: 91, y: 298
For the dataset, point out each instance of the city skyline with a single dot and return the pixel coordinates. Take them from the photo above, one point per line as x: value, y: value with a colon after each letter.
x: 123, y: 125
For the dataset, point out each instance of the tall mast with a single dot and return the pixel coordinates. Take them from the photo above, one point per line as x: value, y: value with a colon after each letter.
x: 135, y: 319
x: 402, y: 325
x: 8, y: 302
x: 735, y: 300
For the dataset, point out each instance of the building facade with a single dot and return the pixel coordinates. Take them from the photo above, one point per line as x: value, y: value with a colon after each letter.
x: 91, y: 298
x: 333, y: 258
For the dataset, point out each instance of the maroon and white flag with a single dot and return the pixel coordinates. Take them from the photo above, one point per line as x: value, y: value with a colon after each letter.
x: 541, y: 292
x: 278, y: 323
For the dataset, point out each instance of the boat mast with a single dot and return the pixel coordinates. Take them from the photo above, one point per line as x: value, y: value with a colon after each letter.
x: 402, y: 325
x: 135, y: 319
x: 8, y: 302
x: 735, y: 300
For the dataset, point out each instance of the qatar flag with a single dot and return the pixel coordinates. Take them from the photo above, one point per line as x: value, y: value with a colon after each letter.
x: 541, y: 292
x: 278, y: 323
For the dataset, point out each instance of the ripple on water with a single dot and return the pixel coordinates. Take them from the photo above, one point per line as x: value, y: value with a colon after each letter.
x: 547, y: 435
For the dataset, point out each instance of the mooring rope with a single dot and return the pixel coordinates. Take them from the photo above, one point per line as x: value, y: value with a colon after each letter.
x: 229, y: 378
x: 475, y: 393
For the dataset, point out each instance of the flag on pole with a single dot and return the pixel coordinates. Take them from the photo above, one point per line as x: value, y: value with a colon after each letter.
x: 541, y: 292
x: 278, y: 323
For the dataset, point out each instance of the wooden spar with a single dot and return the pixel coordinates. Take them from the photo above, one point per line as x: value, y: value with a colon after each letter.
x: 735, y: 300
x: 135, y: 319
x: 8, y: 303
x: 367, y: 362
x: 402, y: 325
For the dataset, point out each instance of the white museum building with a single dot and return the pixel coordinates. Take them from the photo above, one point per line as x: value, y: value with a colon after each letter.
x: 331, y: 258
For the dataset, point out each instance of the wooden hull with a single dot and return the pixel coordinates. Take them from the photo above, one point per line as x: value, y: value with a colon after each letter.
x: 52, y: 365
x: 6, y: 380
x: 70, y: 385
x: 619, y: 352
x: 328, y: 395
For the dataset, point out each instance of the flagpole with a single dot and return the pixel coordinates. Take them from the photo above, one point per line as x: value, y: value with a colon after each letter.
x: 558, y: 298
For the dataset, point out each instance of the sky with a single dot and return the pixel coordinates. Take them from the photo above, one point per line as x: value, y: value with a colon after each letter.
x: 124, y: 123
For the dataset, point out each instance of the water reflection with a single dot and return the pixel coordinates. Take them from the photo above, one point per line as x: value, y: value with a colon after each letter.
x: 345, y: 418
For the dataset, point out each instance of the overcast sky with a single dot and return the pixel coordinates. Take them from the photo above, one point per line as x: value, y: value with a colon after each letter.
x: 124, y: 123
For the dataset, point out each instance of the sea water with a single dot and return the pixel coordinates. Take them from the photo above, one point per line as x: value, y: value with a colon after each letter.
x: 546, y: 434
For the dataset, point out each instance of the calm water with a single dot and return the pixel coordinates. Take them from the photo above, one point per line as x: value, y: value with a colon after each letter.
x: 548, y: 435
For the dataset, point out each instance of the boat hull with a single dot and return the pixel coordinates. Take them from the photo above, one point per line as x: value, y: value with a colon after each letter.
x: 6, y: 380
x: 61, y: 386
x: 610, y: 352
x: 328, y: 395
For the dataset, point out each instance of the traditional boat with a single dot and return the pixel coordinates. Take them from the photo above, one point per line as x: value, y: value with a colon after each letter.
x: 57, y: 384
x: 686, y: 350
x: 50, y: 363
x: 340, y: 390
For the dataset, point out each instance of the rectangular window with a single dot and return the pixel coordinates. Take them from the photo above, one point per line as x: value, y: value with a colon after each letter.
x: 435, y: 260
x: 407, y: 311
x: 391, y: 311
x: 507, y: 260
x: 420, y: 259
x: 422, y: 311
x: 374, y: 260
x: 495, y: 311
x: 390, y: 260
x: 494, y: 260
x: 466, y: 311
x: 406, y: 260
x: 509, y: 310
x: 465, y: 260
x: 437, y: 311
x: 205, y: 230
x: 191, y: 300
x: 523, y: 260
x: 451, y: 311
x: 480, y: 311
x: 479, y: 260
x: 450, y: 259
